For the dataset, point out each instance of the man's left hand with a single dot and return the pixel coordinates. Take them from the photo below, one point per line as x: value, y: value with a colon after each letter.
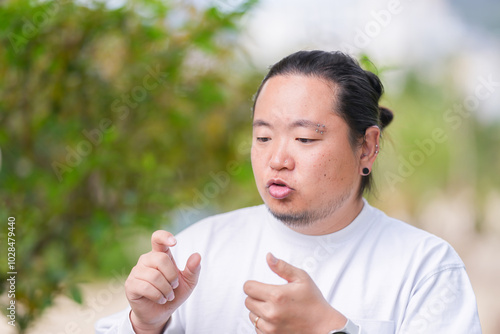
x: 295, y: 307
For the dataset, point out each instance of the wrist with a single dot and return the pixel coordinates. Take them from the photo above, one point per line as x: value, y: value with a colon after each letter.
x: 146, y: 328
x: 332, y: 320
x: 349, y: 328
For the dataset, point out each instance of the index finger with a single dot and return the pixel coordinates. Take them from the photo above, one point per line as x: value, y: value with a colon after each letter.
x: 161, y: 241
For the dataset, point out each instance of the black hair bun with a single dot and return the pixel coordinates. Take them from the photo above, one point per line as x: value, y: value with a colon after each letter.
x: 386, y: 116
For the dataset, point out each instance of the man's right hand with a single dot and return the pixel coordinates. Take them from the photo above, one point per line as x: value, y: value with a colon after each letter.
x: 155, y: 287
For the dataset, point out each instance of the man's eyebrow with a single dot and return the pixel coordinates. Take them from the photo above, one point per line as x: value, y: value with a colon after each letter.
x: 259, y: 122
x: 307, y: 124
x: 304, y: 123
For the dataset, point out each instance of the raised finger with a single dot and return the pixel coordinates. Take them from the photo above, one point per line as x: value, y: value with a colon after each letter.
x: 161, y: 241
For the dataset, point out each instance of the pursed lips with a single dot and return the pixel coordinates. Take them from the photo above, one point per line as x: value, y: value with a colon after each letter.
x: 278, y: 188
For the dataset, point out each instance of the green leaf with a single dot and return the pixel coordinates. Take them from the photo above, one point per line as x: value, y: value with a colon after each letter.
x: 76, y: 294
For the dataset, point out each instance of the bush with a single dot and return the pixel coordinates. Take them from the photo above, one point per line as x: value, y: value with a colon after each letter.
x: 108, y: 118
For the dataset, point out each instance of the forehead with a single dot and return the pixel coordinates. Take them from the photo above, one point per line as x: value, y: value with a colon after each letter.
x: 296, y: 96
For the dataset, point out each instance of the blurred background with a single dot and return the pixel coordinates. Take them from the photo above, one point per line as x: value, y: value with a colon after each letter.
x: 121, y: 117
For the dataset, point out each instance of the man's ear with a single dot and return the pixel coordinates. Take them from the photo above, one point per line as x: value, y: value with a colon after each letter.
x: 369, y: 149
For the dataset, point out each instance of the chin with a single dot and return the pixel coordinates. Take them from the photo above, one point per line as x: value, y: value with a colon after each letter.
x: 294, y: 218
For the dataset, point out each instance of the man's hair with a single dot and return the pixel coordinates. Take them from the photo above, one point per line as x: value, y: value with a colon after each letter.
x: 357, y: 92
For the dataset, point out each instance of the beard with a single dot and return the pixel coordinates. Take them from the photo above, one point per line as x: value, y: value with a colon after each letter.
x: 297, y: 219
x: 308, y: 217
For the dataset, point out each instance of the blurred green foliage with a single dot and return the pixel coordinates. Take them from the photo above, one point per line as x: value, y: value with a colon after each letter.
x: 109, y: 118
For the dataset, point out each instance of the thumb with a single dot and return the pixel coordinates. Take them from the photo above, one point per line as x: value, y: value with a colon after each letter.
x: 192, y: 270
x: 284, y: 269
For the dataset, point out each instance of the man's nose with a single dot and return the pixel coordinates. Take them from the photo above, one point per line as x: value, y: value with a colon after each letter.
x: 281, y: 158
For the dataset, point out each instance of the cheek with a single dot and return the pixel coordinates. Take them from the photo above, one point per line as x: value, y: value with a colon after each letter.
x: 318, y: 170
x: 252, y: 158
x: 256, y: 160
x: 333, y: 170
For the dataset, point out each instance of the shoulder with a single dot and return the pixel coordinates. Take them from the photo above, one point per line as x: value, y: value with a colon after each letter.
x: 404, y: 242
x: 423, y: 274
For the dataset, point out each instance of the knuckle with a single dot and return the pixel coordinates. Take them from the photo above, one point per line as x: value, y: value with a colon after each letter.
x: 277, y: 296
x: 296, y: 289
x: 128, y: 283
x: 143, y: 258
x: 273, y: 315
x: 134, y: 287
x: 274, y: 330
x: 148, y: 291
x: 172, y: 276
x: 156, y: 276
x: 131, y: 277
x: 159, y: 257
x: 141, y: 286
x: 156, y: 295
x: 133, y: 270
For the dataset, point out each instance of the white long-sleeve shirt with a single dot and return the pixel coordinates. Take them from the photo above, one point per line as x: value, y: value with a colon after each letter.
x: 384, y: 275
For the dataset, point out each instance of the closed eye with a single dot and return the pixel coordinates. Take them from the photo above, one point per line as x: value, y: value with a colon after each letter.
x: 305, y: 140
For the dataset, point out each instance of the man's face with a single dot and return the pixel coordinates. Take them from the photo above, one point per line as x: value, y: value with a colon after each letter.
x: 304, y: 166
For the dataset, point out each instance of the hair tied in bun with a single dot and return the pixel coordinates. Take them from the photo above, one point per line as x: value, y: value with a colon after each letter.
x: 386, y: 116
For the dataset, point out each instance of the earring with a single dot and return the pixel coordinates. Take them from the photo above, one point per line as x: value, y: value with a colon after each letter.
x: 366, y: 171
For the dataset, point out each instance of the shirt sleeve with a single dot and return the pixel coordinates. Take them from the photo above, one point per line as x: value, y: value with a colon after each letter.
x: 118, y: 323
x: 443, y: 302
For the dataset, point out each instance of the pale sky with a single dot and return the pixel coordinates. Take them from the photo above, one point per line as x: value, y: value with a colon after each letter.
x: 399, y: 33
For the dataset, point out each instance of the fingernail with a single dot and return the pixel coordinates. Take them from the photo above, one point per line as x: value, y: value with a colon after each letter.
x: 273, y: 259
x: 171, y: 241
x: 171, y: 296
x: 175, y: 283
x: 163, y: 300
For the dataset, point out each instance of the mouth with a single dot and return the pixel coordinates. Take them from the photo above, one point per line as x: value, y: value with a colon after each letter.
x: 278, y: 189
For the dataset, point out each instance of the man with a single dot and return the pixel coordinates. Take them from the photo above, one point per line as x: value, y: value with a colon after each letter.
x: 316, y: 258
